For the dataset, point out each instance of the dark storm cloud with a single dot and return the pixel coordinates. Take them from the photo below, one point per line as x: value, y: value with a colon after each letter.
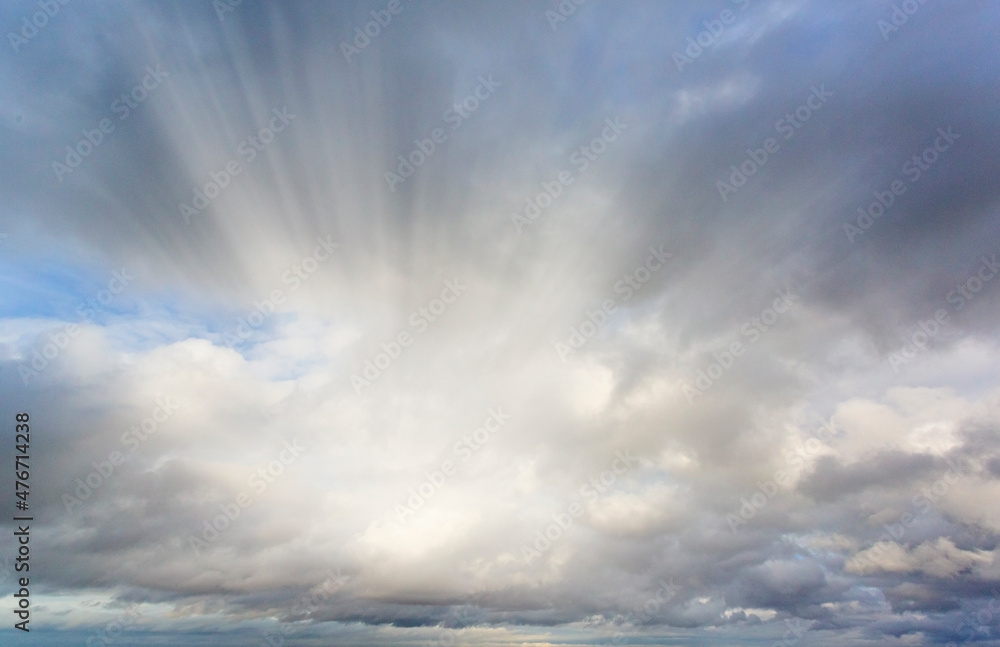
x: 831, y: 481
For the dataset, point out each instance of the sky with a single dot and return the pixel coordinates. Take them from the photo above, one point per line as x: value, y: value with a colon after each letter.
x: 417, y: 322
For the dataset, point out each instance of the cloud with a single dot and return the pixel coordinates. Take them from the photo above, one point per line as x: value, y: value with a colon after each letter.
x: 857, y: 457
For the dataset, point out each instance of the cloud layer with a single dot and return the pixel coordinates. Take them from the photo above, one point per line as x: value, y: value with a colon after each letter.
x: 505, y: 323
